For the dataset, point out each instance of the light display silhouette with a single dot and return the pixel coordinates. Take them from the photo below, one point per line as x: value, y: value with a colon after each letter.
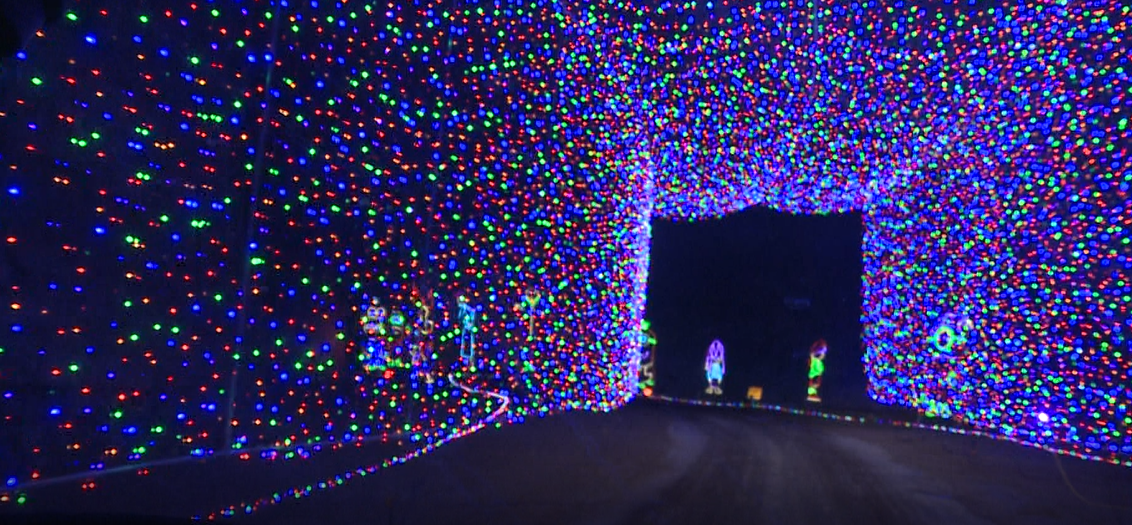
x: 714, y: 368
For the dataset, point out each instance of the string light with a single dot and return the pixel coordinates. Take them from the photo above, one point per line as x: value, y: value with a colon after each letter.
x: 202, y: 200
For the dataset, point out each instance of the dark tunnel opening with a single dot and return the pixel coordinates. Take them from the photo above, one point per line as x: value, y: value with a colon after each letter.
x: 767, y: 285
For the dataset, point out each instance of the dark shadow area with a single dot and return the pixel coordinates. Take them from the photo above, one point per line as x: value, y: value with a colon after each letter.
x: 647, y: 463
x: 767, y: 285
x: 91, y: 519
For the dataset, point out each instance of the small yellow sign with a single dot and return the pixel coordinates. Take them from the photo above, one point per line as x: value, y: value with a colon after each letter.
x: 755, y: 393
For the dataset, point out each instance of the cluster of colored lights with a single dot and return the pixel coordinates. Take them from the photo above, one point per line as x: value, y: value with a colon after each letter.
x: 987, y: 147
x: 338, y: 480
x: 204, y: 200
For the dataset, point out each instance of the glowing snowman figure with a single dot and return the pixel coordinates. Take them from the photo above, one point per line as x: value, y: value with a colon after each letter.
x: 817, y: 368
x: 714, y: 368
x: 467, y: 318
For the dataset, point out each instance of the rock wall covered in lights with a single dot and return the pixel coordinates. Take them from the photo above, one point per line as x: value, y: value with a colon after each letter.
x: 203, y: 200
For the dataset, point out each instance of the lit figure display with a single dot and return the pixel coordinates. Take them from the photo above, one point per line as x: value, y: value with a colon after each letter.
x: 374, y: 325
x: 533, y: 305
x: 529, y: 308
x: 714, y: 368
x: 420, y: 346
x: 467, y: 317
x: 397, y: 339
x: 391, y: 338
x: 950, y: 341
x: 817, y: 368
x: 951, y: 333
x: 648, y: 359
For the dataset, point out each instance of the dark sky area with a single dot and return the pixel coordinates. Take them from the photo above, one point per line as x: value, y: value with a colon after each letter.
x: 731, y: 278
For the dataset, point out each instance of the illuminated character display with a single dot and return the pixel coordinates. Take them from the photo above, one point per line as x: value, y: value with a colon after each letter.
x: 420, y: 344
x: 375, y: 326
x: 397, y: 339
x: 397, y: 323
x: 817, y: 368
x: 532, y: 305
x: 529, y: 307
x: 389, y: 336
x: 647, y: 375
x: 951, y: 340
x: 714, y: 368
x: 951, y: 332
x: 467, y: 317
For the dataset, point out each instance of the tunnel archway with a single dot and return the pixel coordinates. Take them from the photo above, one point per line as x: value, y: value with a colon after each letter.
x: 207, y: 167
x: 767, y: 285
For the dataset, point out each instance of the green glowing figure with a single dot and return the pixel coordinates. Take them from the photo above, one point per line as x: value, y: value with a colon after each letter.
x: 817, y: 368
